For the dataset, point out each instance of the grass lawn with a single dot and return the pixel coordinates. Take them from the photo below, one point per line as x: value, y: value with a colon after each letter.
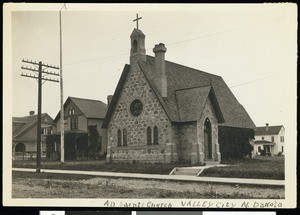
x: 49, y: 185
x: 102, y: 166
x: 259, y: 167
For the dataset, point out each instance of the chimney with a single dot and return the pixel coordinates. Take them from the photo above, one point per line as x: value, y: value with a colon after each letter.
x: 267, y: 126
x: 109, y: 97
x: 31, y: 112
x: 160, y: 79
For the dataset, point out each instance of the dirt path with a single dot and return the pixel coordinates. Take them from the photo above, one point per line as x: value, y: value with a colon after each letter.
x: 31, y: 187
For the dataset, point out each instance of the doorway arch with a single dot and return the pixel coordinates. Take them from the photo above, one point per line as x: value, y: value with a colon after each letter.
x: 207, y: 139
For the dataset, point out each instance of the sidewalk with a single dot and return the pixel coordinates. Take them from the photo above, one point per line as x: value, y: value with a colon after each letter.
x: 249, y: 181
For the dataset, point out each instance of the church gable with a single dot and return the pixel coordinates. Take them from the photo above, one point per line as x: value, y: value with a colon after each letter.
x: 137, y: 120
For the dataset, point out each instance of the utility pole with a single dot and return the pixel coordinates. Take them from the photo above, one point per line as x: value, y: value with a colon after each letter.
x: 40, y: 71
x: 62, y: 118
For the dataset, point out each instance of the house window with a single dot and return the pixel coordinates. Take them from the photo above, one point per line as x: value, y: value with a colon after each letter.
x: 282, y: 149
x: 49, y: 130
x: 124, y: 137
x: 119, y: 138
x: 272, y: 138
x: 74, y: 123
x: 149, y: 139
x: 262, y: 138
x: 46, y: 131
x: 259, y: 149
x: 282, y: 139
x: 71, y: 111
x: 155, y: 135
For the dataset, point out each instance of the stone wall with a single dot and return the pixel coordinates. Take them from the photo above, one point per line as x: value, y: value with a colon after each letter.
x: 188, y: 141
x: 137, y: 87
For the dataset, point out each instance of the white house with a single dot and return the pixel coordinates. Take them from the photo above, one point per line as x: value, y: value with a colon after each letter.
x: 269, y: 140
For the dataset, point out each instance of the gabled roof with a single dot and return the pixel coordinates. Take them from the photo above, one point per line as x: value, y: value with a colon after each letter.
x: 28, y: 122
x: 191, y: 103
x: 90, y: 108
x: 272, y: 130
x: 116, y: 95
x: 181, y: 77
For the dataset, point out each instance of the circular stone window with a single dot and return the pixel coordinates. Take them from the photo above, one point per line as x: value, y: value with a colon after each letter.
x: 136, y: 107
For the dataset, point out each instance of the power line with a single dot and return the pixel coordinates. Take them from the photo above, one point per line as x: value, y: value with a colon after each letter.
x: 97, y: 59
x: 183, y: 41
x: 249, y: 82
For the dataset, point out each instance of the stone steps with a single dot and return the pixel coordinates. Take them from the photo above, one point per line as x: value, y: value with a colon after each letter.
x: 195, y: 170
x: 186, y: 171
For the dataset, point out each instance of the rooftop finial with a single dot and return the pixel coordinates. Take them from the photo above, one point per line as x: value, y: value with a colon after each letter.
x: 137, y: 20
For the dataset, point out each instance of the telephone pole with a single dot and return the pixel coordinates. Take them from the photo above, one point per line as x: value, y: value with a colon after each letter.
x: 62, y: 118
x: 41, y: 76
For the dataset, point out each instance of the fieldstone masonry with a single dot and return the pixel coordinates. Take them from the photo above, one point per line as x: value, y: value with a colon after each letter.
x: 137, y: 87
x: 177, y: 141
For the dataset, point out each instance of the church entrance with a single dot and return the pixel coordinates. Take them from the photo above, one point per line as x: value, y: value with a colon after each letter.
x: 207, y: 140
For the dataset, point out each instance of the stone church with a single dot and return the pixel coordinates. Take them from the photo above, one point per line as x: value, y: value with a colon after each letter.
x: 166, y: 112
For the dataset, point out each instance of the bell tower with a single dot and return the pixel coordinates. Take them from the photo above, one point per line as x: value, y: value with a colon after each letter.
x: 137, y: 37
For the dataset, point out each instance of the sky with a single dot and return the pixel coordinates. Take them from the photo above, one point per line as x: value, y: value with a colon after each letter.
x: 253, y: 47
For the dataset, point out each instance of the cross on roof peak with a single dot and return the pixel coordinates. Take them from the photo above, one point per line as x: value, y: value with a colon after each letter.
x: 137, y: 20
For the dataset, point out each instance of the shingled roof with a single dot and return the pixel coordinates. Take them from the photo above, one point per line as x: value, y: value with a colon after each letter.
x: 191, y: 103
x: 180, y: 77
x: 271, y: 130
x: 90, y: 108
x: 28, y: 122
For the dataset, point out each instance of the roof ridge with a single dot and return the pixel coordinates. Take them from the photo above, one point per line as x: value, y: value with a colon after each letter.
x: 72, y: 97
x: 23, y: 117
x: 269, y: 126
x: 198, y: 70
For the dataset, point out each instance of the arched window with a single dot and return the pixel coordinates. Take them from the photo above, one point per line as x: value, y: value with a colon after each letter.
x: 207, y: 139
x: 134, y: 46
x: 124, y: 137
x: 155, y: 135
x: 20, y: 147
x: 119, y: 138
x: 149, y: 139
